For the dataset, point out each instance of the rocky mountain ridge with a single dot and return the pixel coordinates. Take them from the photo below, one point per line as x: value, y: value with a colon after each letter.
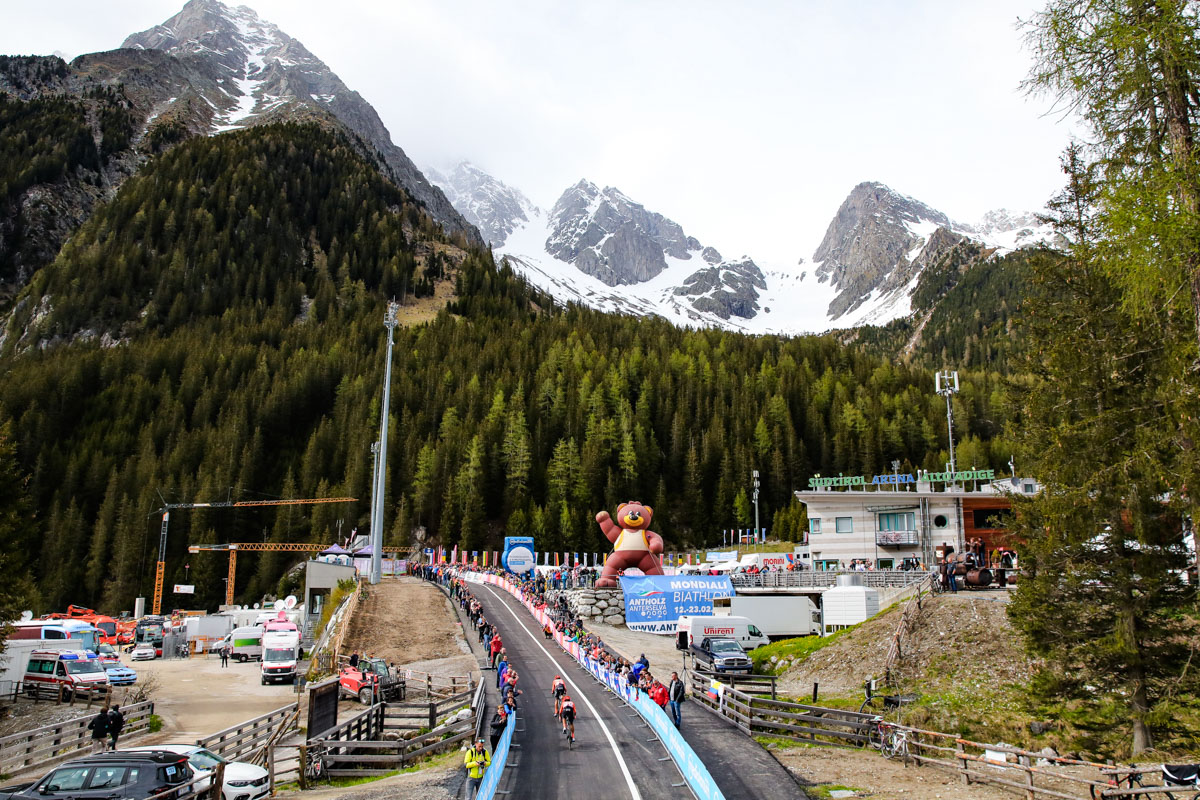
x: 599, y: 247
x: 261, y: 74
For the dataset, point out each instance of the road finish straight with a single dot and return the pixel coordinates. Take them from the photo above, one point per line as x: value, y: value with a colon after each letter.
x: 616, y: 754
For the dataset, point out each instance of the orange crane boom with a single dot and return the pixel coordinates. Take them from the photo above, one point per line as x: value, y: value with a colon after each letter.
x: 234, y: 547
x: 166, y: 516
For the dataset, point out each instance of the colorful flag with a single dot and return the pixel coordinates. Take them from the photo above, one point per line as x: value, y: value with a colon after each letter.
x: 474, y: 556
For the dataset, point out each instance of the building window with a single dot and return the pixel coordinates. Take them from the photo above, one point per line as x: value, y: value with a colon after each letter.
x: 989, y: 518
x: 814, y: 526
x: 901, y: 521
x: 827, y: 565
x: 884, y: 563
x: 844, y: 524
x: 1029, y: 488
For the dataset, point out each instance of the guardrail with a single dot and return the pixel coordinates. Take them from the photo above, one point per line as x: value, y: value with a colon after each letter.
x: 40, y: 747
x: 244, y: 739
x: 817, y: 579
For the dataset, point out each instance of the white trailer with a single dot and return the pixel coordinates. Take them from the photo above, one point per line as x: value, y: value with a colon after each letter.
x: 779, y: 616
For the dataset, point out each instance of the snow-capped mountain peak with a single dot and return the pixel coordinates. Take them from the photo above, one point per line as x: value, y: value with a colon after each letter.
x: 241, y: 70
x: 488, y: 204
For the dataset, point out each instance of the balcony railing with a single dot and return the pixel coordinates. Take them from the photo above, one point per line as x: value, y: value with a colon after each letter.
x: 897, y: 538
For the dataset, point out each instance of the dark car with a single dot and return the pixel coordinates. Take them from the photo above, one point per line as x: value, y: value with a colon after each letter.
x: 119, y: 775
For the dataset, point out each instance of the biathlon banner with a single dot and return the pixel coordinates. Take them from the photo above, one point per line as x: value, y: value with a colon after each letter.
x: 654, y: 603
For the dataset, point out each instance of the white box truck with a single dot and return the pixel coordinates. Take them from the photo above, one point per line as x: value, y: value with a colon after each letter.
x: 779, y: 616
x: 693, y: 630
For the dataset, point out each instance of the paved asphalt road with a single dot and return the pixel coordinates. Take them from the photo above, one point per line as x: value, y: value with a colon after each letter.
x: 614, y: 756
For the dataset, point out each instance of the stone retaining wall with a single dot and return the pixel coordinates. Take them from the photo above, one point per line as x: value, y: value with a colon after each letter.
x: 600, y: 605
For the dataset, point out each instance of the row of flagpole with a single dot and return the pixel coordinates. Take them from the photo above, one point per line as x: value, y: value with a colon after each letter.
x: 491, y: 558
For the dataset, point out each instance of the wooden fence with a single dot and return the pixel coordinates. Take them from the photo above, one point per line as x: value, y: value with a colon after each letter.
x: 758, y: 716
x: 912, y: 610
x: 1025, y: 772
x: 85, y: 696
x: 381, y: 739
x: 249, y: 740
x: 41, y: 747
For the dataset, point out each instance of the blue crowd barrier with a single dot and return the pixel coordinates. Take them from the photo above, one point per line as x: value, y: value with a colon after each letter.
x: 491, y: 778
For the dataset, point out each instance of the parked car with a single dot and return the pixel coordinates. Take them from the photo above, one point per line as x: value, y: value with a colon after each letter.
x: 144, y: 652
x: 121, y: 775
x: 243, y: 781
x: 721, y: 654
x: 118, y: 673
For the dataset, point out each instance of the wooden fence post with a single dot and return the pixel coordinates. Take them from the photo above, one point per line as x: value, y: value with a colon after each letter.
x: 961, y: 750
x: 432, y: 715
x: 302, y: 773
x: 271, y: 769
x: 1024, y: 761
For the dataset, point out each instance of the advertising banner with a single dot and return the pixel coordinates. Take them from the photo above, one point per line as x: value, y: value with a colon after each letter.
x: 518, y: 554
x: 713, y: 556
x: 654, y: 603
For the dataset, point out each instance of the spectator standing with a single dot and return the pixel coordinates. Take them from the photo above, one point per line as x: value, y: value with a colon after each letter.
x: 477, y: 762
x: 224, y: 653
x: 496, y: 646
x: 99, y: 728
x: 675, y: 697
x: 499, y: 722
x: 116, y: 724
x: 354, y: 659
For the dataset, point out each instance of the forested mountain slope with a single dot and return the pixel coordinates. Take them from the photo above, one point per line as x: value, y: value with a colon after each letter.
x: 218, y: 325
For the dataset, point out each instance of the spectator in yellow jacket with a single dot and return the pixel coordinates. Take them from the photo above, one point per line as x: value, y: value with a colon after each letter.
x: 477, y: 762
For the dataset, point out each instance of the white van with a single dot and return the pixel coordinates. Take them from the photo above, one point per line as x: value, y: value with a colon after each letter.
x: 280, y: 652
x: 696, y: 629
x: 245, y: 643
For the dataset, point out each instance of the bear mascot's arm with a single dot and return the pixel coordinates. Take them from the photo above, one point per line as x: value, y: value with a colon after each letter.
x: 655, y: 541
x: 609, y: 528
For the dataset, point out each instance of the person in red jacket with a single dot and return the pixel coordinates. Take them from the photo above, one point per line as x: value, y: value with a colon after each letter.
x: 658, y: 693
x: 494, y: 649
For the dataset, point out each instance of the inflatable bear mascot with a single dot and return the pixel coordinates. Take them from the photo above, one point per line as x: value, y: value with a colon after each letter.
x: 634, y: 544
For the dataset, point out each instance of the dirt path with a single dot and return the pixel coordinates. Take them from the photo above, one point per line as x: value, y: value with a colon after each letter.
x: 410, y: 623
x: 869, y: 775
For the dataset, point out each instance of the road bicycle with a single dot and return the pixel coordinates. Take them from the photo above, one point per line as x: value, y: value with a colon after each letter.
x: 890, y: 739
x: 1184, y: 776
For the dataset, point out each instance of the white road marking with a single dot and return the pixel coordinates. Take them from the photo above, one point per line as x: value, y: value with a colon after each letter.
x: 633, y: 790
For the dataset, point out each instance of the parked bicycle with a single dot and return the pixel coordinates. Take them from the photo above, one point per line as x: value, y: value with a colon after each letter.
x: 891, y: 739
x: 1184, y: 776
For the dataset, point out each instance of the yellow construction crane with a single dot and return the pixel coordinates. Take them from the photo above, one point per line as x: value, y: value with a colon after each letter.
x: 166, y: 516
x: 234, y: 547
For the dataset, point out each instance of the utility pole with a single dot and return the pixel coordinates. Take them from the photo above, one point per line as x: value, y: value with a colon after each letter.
x: 389, y: 322
x: 754, y: 475
x: 946, y: 384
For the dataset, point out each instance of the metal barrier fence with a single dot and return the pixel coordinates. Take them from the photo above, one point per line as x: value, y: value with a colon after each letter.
x: 813, y: 579
x: 40, y: 747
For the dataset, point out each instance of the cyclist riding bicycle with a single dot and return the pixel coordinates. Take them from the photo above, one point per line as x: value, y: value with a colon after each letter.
x: 559, y: 689
x: 567, y: 714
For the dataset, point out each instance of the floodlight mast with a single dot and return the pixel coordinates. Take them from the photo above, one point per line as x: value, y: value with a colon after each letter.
x: 946, y: 384
x: 389, y: 322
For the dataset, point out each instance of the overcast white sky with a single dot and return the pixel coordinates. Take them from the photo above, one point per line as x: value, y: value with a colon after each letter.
x: 747, y: 123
